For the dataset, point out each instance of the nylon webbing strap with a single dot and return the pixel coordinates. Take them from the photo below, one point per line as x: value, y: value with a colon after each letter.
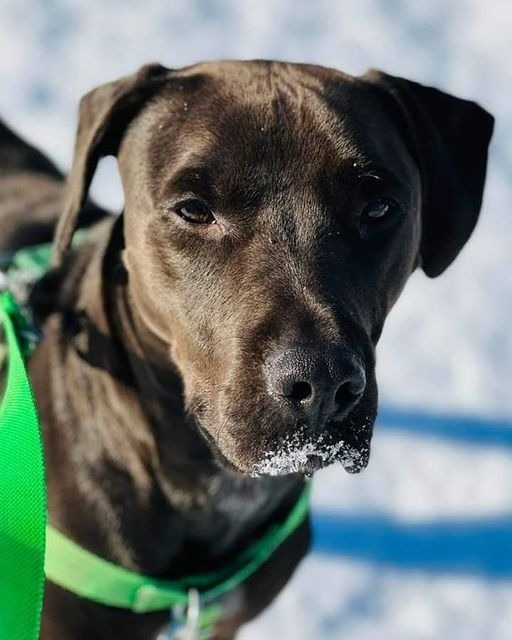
x: 89, y: 576
x: 22, y: 493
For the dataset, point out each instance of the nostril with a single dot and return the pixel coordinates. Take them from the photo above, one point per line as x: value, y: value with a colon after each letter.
x: 300, y: 391
x: 344, y: 395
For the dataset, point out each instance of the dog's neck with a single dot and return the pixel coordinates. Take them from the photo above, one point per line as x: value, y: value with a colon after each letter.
x: 133, y: 458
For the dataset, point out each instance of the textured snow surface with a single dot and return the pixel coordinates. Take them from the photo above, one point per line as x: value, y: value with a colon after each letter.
x: 418, y: 546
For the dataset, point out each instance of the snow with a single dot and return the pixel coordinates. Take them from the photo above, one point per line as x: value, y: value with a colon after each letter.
x: 418, y: 546
x: 298, y: 451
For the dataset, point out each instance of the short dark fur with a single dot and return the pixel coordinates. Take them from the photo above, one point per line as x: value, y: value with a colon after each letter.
x: 151, y: 378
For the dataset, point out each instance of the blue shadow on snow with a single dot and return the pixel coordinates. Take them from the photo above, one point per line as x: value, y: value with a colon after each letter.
x: 480, y: 547
x: 462, y: 428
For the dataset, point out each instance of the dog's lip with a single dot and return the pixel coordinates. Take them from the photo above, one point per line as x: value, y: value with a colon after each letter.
x: 351, y: 448
x: 301, y: 452
x: 355, y: 455
x: 357, y: 461
x: 217, y: 453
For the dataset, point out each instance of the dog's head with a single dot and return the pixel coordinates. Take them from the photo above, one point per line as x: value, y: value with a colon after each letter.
x: 273, y: 213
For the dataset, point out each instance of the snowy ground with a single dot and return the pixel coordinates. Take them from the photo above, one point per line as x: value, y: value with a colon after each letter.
x: 418, y: 547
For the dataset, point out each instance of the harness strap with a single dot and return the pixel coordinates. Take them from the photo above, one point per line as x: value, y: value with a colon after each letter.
x: 89, y: 576
x: 22, y: 492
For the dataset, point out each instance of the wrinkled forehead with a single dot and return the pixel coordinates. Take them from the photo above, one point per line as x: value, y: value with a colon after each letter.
x: 258, y: 129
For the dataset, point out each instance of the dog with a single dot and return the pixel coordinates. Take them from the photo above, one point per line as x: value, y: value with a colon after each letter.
x: 214, y: 345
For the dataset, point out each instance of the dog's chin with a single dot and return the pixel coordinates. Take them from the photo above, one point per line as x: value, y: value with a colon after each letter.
x: 300, y: 452
x: 303, y: 453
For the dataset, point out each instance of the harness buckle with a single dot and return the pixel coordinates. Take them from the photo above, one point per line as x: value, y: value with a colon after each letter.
x: 4, y: 283
x: 185, y: 621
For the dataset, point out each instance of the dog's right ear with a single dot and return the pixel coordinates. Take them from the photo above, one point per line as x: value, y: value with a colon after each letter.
x: 104, y: 115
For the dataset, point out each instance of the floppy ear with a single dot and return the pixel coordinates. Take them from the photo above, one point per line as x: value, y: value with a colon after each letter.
x: 104, y: 114
x: 449, y: 138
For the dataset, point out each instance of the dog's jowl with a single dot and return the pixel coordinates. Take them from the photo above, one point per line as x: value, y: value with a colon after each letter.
x: 214, y: 345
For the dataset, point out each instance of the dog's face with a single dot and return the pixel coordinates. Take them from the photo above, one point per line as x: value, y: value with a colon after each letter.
x: 273, y: 214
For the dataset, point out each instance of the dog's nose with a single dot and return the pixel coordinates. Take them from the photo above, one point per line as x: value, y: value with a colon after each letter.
x: 318, y: 384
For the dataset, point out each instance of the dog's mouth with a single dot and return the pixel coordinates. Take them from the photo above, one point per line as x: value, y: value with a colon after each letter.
x: 301, y: 452
x: 221, y: 459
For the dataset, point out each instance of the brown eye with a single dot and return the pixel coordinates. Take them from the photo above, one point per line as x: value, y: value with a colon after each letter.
x: 376, y: 209
x: 196, y: 212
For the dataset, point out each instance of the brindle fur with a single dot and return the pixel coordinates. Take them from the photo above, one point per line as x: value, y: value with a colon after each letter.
x: 150, y: 379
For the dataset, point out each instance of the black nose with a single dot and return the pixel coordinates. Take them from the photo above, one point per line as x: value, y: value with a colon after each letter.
x: 317, y: 384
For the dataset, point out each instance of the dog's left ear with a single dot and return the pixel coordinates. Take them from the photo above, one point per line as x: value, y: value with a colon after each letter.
x: 104, y: 115
x: 449, y: 138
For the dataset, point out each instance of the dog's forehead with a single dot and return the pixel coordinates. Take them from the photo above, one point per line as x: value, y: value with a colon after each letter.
x: 252, y: 80
x: 266, y: 122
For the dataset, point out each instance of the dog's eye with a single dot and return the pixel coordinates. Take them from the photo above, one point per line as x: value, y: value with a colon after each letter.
x: 376, y: 209
x: 196, y: 212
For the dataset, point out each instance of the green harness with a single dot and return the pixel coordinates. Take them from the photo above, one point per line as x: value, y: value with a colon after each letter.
x: 31, y: 549
x: 22, y: 492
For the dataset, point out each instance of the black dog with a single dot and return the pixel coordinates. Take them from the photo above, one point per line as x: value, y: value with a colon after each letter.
x: 223, y: 329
